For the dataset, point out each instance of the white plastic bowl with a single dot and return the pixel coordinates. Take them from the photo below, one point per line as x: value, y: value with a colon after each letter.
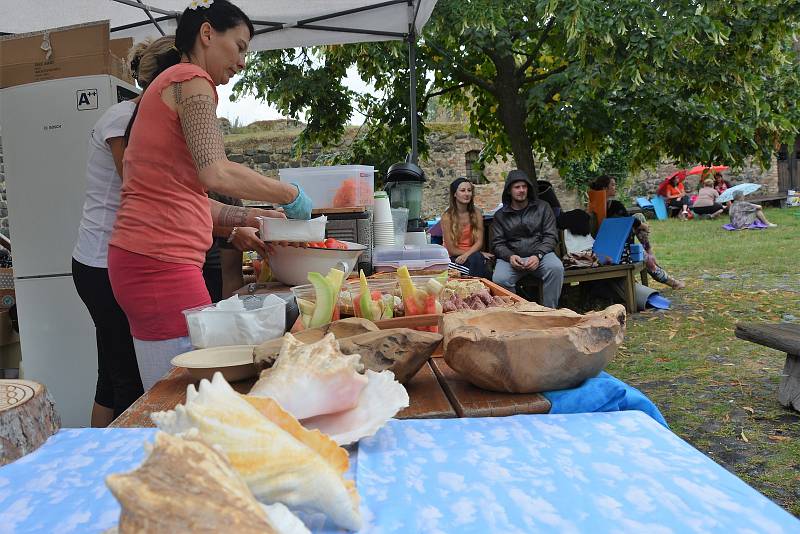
x: 291, y: 265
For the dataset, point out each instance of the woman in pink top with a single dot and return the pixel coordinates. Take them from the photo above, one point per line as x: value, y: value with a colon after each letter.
x: 175, y: 154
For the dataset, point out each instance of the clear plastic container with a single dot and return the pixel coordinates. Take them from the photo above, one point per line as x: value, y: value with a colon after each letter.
x: 339, y: 186
x: 306, y: 298
x: 384, y: 298
x: 262, y: 318
x: 415, y: 257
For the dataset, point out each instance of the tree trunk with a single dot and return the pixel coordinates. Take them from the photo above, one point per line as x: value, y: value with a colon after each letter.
x: 511, y: 112
x: 27, y: 418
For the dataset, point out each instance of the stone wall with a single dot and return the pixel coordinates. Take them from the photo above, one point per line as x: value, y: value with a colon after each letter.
x: 447, y: 159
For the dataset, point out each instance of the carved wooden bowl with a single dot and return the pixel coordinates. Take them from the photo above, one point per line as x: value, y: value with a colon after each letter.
x: 530, y: 348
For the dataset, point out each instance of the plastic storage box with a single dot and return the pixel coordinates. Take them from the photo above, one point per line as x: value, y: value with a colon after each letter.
x: 340, y: 186
x: 415, y: 257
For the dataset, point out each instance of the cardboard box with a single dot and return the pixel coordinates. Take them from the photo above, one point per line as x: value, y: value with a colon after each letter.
x: 79, y: 50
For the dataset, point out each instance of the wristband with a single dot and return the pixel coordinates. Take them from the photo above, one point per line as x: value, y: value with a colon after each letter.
x: 233, y: 234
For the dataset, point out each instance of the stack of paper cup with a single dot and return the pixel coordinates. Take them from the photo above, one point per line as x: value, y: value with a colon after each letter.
x: 382, y: 224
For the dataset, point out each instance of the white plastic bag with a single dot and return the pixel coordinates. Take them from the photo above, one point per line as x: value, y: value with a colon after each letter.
x: 232, y: 322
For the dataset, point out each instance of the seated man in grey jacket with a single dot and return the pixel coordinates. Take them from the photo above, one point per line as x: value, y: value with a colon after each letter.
x: 524, y: 238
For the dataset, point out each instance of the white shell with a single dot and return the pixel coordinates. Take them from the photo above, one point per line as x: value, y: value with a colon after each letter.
x: 310, y: 379
x: 380, y: 401
x: 280, y: 462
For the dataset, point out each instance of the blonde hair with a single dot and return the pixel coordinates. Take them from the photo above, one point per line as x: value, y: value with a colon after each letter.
x: 708, y: 182
x: 143, y: 58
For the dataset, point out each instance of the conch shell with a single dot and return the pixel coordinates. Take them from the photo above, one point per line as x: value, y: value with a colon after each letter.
x: 380, y: 401
x: 184, y: 485
x: 319, y: 385
x: 311, y: 379
x: 278, y: 459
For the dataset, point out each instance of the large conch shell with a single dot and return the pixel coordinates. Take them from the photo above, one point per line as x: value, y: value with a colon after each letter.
x: 184, y: 485
x: 319, y: 385
x: 278, y: 459
x: 311, y: 379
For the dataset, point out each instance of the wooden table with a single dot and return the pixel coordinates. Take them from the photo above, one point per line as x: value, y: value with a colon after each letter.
x: 427, y: 399
x: 784, y: 337
x: 435, y: 392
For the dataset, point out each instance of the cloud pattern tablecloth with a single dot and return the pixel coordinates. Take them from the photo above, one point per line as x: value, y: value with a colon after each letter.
x: 600, y: 472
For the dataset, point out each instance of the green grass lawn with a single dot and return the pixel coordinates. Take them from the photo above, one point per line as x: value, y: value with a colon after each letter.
x: 717, y: 392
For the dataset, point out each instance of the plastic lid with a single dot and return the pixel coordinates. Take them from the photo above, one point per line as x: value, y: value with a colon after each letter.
x: 409, y: 253
x: 380, y: 194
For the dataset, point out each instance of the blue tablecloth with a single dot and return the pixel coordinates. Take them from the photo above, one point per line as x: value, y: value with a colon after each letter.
x: 597, y: 472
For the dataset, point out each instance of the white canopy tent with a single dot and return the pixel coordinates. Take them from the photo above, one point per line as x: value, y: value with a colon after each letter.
x: 278, y: 23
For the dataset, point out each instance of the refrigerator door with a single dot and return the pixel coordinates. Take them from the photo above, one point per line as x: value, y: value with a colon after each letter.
x: 58, y: 345
x: 46, y: 128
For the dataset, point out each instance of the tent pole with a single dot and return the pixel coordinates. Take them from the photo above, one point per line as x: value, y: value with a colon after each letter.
x: 412, y: 82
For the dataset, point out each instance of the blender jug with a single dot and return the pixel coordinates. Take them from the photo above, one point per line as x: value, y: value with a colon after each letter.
x: 403, y: 184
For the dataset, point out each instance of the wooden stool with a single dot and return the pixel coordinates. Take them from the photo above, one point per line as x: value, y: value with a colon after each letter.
x: 27, y: 418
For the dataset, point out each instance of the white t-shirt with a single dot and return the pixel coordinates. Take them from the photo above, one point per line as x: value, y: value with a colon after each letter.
x: 103, y: 186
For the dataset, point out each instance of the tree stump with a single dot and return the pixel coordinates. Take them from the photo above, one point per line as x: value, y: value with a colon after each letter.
x: 27, y: 418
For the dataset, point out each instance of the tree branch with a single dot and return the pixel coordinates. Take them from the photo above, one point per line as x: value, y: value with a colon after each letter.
x: 532, y: 57
x: 463, y: 75
x: 438, y: 93
x: 544, y: 75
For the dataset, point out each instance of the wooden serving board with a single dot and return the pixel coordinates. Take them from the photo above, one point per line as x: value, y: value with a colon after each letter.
x: 427, y: 399
x: 471, y: 401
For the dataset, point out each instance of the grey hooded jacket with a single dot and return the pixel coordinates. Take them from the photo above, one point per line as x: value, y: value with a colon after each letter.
x: 526, y: 232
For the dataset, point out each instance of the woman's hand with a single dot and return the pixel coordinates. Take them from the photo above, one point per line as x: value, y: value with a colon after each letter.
x: 461, y: 260
x: 246, y: 238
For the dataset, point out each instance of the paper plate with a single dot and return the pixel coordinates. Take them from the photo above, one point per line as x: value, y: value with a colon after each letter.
x: 235, y: 362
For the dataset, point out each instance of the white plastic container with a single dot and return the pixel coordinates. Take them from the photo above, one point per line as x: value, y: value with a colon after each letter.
x: 415, y: 257
x: 311, y: 231
x: 260, y: 318
x: 339, y: 186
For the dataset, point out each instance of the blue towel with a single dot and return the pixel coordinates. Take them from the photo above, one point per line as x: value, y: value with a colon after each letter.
x: 603, y: 393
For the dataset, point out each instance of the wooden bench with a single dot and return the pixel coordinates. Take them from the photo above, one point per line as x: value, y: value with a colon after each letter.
x: 784, y: 337
x: 778, y: 199
x: 626, y: 271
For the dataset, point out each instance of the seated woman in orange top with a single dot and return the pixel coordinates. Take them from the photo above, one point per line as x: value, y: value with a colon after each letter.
x: 462, y: 229
x: 676, y: 196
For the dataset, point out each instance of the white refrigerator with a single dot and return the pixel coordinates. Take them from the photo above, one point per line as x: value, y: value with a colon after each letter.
x: 45, y: 128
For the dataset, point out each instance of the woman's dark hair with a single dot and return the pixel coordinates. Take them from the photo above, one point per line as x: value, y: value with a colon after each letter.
x: 601, y: 182
x: 221, y: 15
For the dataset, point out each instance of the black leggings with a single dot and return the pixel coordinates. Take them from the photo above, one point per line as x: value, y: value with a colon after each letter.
x: 707, y: 210
x: 118, y: 381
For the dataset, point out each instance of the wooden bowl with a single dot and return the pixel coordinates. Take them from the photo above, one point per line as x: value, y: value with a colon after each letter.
x: 235, y: 362
x: 530, y: 348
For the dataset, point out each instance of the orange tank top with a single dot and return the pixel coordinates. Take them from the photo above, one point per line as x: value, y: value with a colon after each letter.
x: 163, y: 211
x: 465, y: 239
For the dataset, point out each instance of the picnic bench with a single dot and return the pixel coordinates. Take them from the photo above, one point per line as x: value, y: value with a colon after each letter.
x: 784, y: 337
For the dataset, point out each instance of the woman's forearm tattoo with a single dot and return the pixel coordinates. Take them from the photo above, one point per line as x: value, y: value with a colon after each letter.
x: 198, y: 116
x: 232, y: 216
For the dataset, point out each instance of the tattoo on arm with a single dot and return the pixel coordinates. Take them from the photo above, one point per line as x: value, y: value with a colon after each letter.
x: 232, y: 216
x: 200, y: 127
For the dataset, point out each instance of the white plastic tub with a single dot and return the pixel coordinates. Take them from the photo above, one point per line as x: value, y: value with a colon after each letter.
x: 311, y: 231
